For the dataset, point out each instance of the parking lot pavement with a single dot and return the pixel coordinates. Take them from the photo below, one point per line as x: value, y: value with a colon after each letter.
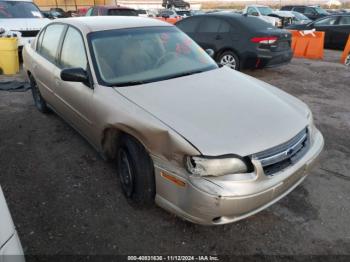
x: 65, y: 199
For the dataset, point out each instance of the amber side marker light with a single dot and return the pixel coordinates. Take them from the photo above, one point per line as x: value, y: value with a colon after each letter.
x: 173, y: 179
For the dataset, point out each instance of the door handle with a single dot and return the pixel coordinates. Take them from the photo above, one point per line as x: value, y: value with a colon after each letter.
x: 218, y: 37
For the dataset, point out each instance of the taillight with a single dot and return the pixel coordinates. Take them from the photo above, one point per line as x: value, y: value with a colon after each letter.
x: 264, y: 40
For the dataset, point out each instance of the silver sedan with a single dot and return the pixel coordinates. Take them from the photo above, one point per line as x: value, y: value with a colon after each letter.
x: 209, y: 144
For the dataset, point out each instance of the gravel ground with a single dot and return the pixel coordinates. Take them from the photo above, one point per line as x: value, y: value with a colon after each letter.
x: 65, y: 199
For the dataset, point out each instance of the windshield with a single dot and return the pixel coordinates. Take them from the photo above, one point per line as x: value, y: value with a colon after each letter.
x: 321, y: 11
x: 300, y: 16
x: 15, y: 9
x: 265, y: 10
x: 142, y: 55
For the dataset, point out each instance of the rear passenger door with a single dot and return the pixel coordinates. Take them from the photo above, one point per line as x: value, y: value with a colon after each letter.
x: 45, y: 62
x: 213, y: 33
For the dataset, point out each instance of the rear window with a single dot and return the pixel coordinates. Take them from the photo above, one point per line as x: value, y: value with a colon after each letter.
x: 17, y: 9
x: 122, y: 12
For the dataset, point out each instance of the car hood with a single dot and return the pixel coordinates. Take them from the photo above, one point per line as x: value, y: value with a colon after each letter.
x: 7, y: 229
x: 23, y: 24
x: 222, y: 111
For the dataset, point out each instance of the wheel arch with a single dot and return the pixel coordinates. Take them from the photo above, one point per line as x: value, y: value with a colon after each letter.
x: 225, y: 49
x: 111, y: 137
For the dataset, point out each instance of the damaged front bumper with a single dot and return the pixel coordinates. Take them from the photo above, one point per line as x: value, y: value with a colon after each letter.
x: 211, y: 201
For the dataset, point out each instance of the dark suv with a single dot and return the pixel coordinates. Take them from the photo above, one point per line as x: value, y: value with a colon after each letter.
x: 312, y: 12
x: 111, y: 10
x: 239, y: 41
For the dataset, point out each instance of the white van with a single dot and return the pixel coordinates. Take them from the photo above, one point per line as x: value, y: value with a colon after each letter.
x: 22, y: 17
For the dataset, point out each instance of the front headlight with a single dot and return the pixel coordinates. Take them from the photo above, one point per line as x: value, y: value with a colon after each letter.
x: 216, y: 166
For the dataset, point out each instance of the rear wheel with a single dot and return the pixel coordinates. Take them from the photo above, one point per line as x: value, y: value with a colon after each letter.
x: 39, y: 101
x: 136, y: 172
x: 229, y: 59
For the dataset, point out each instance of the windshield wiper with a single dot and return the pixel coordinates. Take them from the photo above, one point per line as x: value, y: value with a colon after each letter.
x: 183, y: 74
x: 140, y: 82
x: 130, y: 83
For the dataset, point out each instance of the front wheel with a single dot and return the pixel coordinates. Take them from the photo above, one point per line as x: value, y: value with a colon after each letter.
x: 229, y: 59
x: 136, y: 172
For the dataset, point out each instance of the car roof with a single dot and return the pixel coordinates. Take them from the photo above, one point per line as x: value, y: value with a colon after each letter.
x: 257, y: 6
x: 88, y: 24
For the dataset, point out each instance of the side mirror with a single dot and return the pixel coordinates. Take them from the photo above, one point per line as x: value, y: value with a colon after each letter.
x: 165, y: 16
x: 75, y: 75
x: 210, y: 52
x: 255, y: 14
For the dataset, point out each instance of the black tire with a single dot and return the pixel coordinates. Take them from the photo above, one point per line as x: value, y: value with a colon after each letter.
x: 136, y: 172
x: 230, y: 59
x: 39, y: 101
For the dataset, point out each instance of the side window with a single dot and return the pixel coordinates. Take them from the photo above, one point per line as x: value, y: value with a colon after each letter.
x: 209, y: 25
x: 344, y: 20
x: 89, y: 12
x: 251, y: 10
x: 40, y: 40
x: 188, y: 25
x: 327, y: 21
x: 299, y: 9
x: 73, y: 50
x: 225, y: 27
x: 310, y: 11
x: 94, y: 11
x: 50, y: 42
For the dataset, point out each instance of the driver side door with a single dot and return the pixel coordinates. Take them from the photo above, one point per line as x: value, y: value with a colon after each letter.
x: 74, y: 98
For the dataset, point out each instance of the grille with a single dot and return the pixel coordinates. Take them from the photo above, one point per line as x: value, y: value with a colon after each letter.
x: 280, y: 157
x: 31, y: 33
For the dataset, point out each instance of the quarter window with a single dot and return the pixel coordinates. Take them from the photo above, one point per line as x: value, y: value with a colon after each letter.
x: 50, y: 41
x: 73, y: 50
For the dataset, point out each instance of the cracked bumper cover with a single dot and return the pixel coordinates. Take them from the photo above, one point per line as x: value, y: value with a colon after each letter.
x: 204, y: 201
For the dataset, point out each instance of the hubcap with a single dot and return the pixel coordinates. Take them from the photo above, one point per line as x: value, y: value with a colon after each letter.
x: 347, y: 60
x: 228, y: 60
x: 126, y: 177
